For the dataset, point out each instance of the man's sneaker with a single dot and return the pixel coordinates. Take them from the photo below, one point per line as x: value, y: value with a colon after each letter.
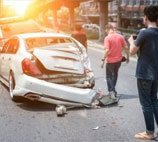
x: 112, y: 95
x: 144, y: 136
x: 115, y: 93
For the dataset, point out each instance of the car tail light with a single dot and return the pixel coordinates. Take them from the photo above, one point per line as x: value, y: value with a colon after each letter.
x: 29, y: 67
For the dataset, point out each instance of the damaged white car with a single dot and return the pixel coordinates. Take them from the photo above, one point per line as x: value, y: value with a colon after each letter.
x: 48, y: 67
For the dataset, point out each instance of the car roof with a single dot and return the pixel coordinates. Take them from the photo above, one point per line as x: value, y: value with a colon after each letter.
x: 43, y: 34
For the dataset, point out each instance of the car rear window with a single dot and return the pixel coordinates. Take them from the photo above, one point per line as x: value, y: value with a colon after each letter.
x: 46, y: 41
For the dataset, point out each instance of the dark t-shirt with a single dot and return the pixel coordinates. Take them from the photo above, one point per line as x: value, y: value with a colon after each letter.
x: 81, y: 37
x: 147, y: 65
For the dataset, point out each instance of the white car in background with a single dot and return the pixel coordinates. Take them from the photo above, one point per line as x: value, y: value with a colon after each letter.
x: 48, y: 67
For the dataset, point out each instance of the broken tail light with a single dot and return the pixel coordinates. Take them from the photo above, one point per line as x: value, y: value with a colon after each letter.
x: 29, y: 67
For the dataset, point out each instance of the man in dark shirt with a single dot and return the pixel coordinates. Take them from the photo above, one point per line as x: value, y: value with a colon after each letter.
x: 146, y: 44
x: 80, y: 35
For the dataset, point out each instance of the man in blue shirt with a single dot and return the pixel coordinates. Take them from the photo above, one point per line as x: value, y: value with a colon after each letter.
x: 146, y: 45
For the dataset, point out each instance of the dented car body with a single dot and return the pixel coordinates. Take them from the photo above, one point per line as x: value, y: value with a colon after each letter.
x: 48, y: 67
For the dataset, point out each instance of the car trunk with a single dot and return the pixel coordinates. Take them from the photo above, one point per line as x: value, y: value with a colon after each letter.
x: 61, y: 66
x: 59, y: 60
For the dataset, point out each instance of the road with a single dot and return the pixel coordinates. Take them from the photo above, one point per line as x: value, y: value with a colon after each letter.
x: 38, y: 122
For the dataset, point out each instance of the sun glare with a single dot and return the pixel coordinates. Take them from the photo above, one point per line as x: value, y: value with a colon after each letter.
x: 18, y: 5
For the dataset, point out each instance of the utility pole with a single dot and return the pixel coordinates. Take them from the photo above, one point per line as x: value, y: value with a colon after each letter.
x: 119, y: 13
x: 103, y: 20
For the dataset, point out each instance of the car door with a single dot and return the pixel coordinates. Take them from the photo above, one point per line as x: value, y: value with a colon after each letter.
x: 3, y: 61
x: 6, y: 58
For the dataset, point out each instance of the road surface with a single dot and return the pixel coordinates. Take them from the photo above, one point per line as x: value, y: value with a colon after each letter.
x: 38, y: 122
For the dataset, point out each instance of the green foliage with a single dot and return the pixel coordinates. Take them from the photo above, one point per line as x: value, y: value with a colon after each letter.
x: 92, y: 35
x: 129, y: 31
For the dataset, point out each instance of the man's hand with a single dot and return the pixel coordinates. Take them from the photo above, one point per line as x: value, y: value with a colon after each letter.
x: 127, y: 60
x: 133, y: 48
x: 102, y: 64
x: 131, y: 39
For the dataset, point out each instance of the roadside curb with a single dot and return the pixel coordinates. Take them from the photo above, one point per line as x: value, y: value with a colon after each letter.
x: 94, y: 44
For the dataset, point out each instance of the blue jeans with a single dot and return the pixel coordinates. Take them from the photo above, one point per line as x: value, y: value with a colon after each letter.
x: 147, y: 90
x: 112, y: 75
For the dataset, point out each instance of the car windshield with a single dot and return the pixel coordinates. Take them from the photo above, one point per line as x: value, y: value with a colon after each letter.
x: 11, y: 29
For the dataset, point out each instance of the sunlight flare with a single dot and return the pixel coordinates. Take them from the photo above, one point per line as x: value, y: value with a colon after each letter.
x: 18, y: 5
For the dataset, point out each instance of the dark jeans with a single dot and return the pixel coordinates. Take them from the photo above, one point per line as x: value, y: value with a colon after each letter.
x: 112, y: 75
x: 147, y: 90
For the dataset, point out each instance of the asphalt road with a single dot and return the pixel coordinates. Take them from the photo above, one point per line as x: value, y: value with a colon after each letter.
x: 38, y: 122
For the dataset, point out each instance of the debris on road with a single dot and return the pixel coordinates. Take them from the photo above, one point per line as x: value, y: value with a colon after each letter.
x: 107, y: 100
x: 96, y: 128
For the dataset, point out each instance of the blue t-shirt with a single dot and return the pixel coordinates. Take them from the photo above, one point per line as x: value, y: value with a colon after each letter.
x: 147, y: 65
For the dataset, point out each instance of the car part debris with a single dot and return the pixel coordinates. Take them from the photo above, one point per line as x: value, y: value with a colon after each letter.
x: 61, y: 110
x: 107, y: 100
x: 96, y: 128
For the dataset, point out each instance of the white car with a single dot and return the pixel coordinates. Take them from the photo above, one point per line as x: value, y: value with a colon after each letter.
x: 48, y: 67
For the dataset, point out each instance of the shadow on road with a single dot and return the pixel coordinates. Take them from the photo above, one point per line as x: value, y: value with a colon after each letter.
x: 125, y: 96
x: 35, y: 106
x: 41, y: 106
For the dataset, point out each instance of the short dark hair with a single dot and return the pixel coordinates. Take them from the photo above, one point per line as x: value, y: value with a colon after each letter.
x: 78, y: 27
x: 151, y: 12
x: 108, y: 27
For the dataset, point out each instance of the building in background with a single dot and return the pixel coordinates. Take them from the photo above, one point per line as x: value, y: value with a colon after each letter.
x: 131, y: 12
x: 89, y: 10
x: 127, y: 14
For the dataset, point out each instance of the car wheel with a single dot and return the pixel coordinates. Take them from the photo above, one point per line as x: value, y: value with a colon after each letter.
x: 92, y: 82
x: 12, y: 86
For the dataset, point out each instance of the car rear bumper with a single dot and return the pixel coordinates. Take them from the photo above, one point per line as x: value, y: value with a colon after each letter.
x: 45, y: 91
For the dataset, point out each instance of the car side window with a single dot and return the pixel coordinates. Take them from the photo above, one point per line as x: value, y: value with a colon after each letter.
x: 13, y: 46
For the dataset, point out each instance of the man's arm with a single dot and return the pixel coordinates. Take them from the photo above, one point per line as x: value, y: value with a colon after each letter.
x: 105, y: 55
x: 133, y: 48
x: 126, y: 49
x: 107, y: 52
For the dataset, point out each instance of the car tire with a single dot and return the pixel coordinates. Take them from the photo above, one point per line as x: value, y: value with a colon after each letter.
x: 11, y: 88
x: 92, y: 82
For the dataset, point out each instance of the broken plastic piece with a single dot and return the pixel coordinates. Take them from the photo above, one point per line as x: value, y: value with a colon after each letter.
x: 96, y: 128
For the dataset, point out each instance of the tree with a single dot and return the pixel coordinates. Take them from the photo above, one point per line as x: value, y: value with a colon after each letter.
x: 103, y: 18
